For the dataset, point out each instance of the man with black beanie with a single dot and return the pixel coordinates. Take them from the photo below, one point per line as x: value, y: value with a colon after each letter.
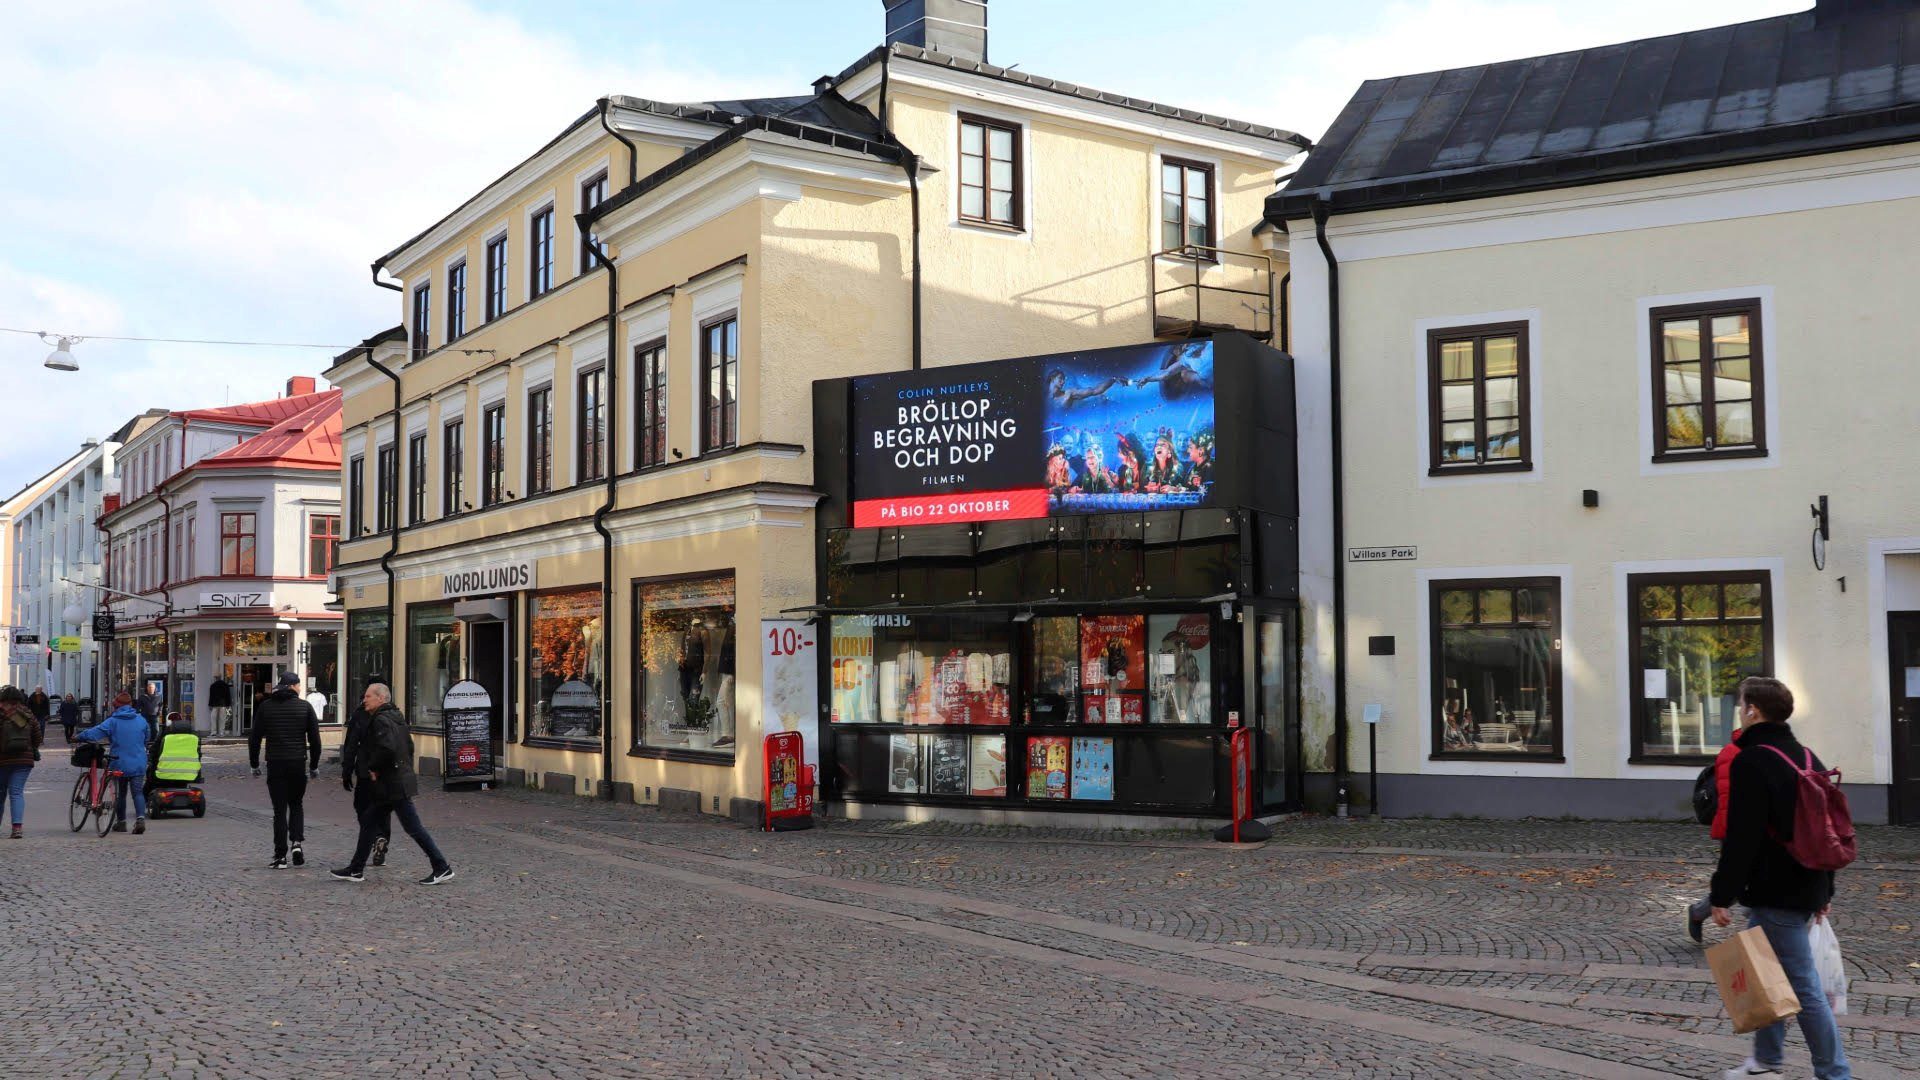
x: 286, y: 723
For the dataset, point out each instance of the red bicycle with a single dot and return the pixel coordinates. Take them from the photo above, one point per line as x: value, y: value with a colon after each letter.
x: 94, y: 791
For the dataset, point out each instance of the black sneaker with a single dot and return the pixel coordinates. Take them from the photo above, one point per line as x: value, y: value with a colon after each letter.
x: 346, y: 873
x: 277, y: 864
x: 119, y: 826
x: 299, y: 857
x: 1696, y: 929
x: 438, y: 876
x: 379, y: 851
x: 139, y: 826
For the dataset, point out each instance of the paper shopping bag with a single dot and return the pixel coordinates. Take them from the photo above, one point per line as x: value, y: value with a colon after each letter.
x: 1751, y: 981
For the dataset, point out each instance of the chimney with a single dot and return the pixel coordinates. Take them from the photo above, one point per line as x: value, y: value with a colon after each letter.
x: 957, y: 28
x: 299, y: 385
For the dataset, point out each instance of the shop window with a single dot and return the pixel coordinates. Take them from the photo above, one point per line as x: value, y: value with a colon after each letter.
x: 323, y: 543
x: 1496, y: 668
x: 237, y: 545
x: 966, y: 766
x: 1707, y: 387
x: 369, y: 650
x: 686, y: 665
x: 323, y: 673
x: 650, y: 399
x: 433, y: 662
x: 540, y: 441
x: 921, y: 670
x: 990, y: 172
x: 720, y: 384
x: 1477, y: 404
x: 1113, y: 669
x: 1695, y: 636
x: 456, y: 299
x: 1180, y: 669
x: 565, y: 664
x: 1054, y: 678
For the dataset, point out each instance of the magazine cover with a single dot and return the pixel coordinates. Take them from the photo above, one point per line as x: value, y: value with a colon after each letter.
x: 989, y: 760
x: 946, y: 765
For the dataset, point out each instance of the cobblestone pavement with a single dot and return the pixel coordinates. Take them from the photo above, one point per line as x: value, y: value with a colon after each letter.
x: 584, y: 939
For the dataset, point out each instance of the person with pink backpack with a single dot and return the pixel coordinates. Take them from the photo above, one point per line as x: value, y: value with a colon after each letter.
x: 1788, y: 831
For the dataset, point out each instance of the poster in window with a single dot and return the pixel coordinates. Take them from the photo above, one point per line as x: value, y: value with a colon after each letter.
x: 1113, y: 668
x: 989, y: 766
x: 1181, y: 669
x: 903, y: 772
x: 1047, y: 760
x: 1056, y: 678
x: 852, y: 670
x: 947, y: 765
x: 1093, y: 769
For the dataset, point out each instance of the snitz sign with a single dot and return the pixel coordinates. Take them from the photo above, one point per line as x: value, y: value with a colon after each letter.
x: 491, y: 578
x: 226, y: 601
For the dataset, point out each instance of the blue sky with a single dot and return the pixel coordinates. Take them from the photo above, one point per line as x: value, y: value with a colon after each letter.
x: 228, y: 168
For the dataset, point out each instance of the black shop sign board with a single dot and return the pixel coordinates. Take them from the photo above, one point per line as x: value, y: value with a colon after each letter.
x: 466, y: 717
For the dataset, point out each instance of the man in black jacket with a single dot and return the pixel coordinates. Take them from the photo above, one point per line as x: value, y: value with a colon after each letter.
x: 1782, y: 897
x: 353, y: 773
x: 285, y: 722
x: 387, y: 750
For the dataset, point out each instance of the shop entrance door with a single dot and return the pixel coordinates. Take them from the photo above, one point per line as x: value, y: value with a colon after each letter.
x: 255, y: 681
x: 1273, y: 683
x: 1903, y: 641
x: 487, y: 665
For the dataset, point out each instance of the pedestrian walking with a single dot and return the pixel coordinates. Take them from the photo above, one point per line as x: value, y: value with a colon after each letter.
x: 1717, y: 781
x: 1782, y: 896
x: 353, y: 774
x: 125, y: 731
x: 147, y: 704
x: 388, y: 750
x: 69, y: 716
x: 20, y: 738
x: 286, y: 724
x: 42, y: 707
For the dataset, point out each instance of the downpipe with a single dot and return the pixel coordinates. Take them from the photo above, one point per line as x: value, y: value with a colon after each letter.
x: 393, y: 540
x: 1342, y: 781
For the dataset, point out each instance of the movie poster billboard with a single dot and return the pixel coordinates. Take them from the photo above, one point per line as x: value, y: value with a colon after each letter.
x: 1113, y: 668
x: 1112, y: 431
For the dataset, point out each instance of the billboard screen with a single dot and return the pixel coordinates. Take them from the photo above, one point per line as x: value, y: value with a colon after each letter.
x: 1112, y: 431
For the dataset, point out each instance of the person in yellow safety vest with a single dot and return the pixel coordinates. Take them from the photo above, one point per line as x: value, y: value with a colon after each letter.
x: 177, y: 759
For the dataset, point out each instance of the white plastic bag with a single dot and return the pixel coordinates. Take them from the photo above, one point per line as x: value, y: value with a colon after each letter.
x: 1826, y: 961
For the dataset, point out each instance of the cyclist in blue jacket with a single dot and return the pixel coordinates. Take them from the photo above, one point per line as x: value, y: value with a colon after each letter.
x: 125, y: 730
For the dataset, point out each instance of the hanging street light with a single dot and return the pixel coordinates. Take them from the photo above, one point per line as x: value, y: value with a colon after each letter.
x: 61, y: 358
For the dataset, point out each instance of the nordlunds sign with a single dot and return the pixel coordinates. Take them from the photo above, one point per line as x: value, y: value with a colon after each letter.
x: 515, y: 576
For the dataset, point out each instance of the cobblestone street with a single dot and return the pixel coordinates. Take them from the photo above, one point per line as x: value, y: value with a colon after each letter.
x: 584, y: 939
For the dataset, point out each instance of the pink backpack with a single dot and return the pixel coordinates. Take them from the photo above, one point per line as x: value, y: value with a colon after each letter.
x: 1823, y: 837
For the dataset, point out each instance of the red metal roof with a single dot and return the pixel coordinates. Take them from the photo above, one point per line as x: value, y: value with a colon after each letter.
x: 256, y: 413
x: 306, y: 435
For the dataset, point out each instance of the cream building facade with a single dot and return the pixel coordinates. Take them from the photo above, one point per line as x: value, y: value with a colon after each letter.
x: 591, y: 491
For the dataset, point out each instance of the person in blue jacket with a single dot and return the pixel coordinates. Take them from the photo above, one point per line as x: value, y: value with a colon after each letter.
x: 125, y: 730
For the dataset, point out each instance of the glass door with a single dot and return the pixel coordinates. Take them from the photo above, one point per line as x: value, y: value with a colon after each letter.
x: 1274, y: 680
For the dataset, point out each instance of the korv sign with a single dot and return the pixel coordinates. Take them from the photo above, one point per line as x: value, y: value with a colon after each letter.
x: 1108, y: 431
x: 226, y: 600
x: 488, y: 578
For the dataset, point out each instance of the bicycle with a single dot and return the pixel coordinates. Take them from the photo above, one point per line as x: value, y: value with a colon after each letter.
x: 93, y: 790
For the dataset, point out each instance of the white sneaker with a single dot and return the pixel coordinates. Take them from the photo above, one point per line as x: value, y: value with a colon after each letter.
x: 1749, y: 1068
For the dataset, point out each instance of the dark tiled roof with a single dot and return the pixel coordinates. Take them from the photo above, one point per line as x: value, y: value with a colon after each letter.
x: 1811, y: 82
x: 979, y: 67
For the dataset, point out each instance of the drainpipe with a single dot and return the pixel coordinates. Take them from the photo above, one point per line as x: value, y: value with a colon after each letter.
x: 600, y: 516
x: 633, y: 152
x: 1342, y: 782
x: 911, y: 163
x: 1286, y: 312
x: 393, y: 542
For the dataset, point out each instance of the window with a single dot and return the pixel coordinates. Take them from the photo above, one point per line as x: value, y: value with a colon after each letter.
x: 369, y: 649
x: 990, y: 172
x: 453, y: 459
x: 386, y: 488
x: 1186, y: 204
x: 422, y: 320
x: 540, y: 254
x: 236, y: 545
x: 433, y: 662
x: 540, y: 441
x: 356, y: 496
x: 593, y: 192
x: 1708, y: 396
x: 493, y: 433
x: 1695, y: 636
x: 1496, y: 668
x: 922, y: 670
x: 720, y: 384
x: 193, y: 558
x: 416, y: 478
x: 590, y: 425
x: 685, y: 660
x: 565, y: 664
x: 456, y: 299
x: 323, y: 543
x: 179, y: 546
x: 496, y: 283
x: 650, y: 393
x: 1477, y: 415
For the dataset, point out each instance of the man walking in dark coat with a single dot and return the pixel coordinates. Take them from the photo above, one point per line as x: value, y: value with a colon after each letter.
x: 285, y: 722
x: 353, y: 774
x: 387, y: 749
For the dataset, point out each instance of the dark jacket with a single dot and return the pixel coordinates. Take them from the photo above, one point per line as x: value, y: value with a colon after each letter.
x: 353, y: 750
x: 286, y: 723
x: 387, y: 749
x: 69, y: 712
x: 1762, y: 792
x: 41, y: 705
x: 146, y: 705
x: 27, y: 756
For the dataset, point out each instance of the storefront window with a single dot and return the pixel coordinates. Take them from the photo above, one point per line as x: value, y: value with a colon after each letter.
x: 896, y: 669
x: 323, y: 672
x: 269, y: 644
x: 183, y: 660
x: 1696, y: 636
x: 686, y: 643
x: 433, y: 661
x: 1180, y: 671
x: 565, y: 665
x: 369, y: 650
x: 1055, y: 678
x: 1496, y: 667
x: 1113, y: 669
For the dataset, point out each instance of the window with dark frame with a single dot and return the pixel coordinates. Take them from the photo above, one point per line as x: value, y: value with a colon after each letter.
x: 1186, y: 205
x: 416, y: 478
x: 356, y: 496
x: 720, y: 384
x: 493, y: 449
x: 456, y: 299
x: 496, y: 283
x: 540, y: 254
x: 1496, y: 668
x: 422, y: 321
x: 1708, y: 394
x: 453, y: 463
x: 590, y: 425
x: 1695, y: 636
x: 650, y: 392
x: 593, y: 192
x: 386, y: 489
x: 990, y: 169
x: 1477, y: 400
x: 237, y: 545
x: 540, y: 441
x: 323, y: 544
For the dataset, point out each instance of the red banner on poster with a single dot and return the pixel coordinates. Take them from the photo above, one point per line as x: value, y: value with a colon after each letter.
x: 934, y: 509
x: 1242, y: 744
x: 789, y: 780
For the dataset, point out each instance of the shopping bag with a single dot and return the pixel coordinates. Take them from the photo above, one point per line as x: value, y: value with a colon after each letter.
x: 1751, y: 981
x: 1826, y: 961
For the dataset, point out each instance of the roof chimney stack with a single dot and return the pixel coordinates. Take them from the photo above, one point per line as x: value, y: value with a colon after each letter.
x: 955, y: 27
x: 299, y: 385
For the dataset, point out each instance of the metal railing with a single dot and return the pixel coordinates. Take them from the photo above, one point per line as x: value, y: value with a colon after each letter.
x: 1239, y: 295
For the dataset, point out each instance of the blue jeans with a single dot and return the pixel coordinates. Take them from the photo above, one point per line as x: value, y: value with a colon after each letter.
x: 120, y: 788
x: 1787, y: 932
x: 15, y: 777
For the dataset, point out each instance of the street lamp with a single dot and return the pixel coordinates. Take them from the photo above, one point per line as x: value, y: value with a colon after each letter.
x: 61, y: 358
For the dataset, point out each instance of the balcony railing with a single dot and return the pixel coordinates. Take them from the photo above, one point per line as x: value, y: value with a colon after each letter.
x: 1198, y: 291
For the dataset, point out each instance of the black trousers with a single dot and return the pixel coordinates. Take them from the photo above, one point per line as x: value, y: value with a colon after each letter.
x: 287, y: 786
x: 362, y: 799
